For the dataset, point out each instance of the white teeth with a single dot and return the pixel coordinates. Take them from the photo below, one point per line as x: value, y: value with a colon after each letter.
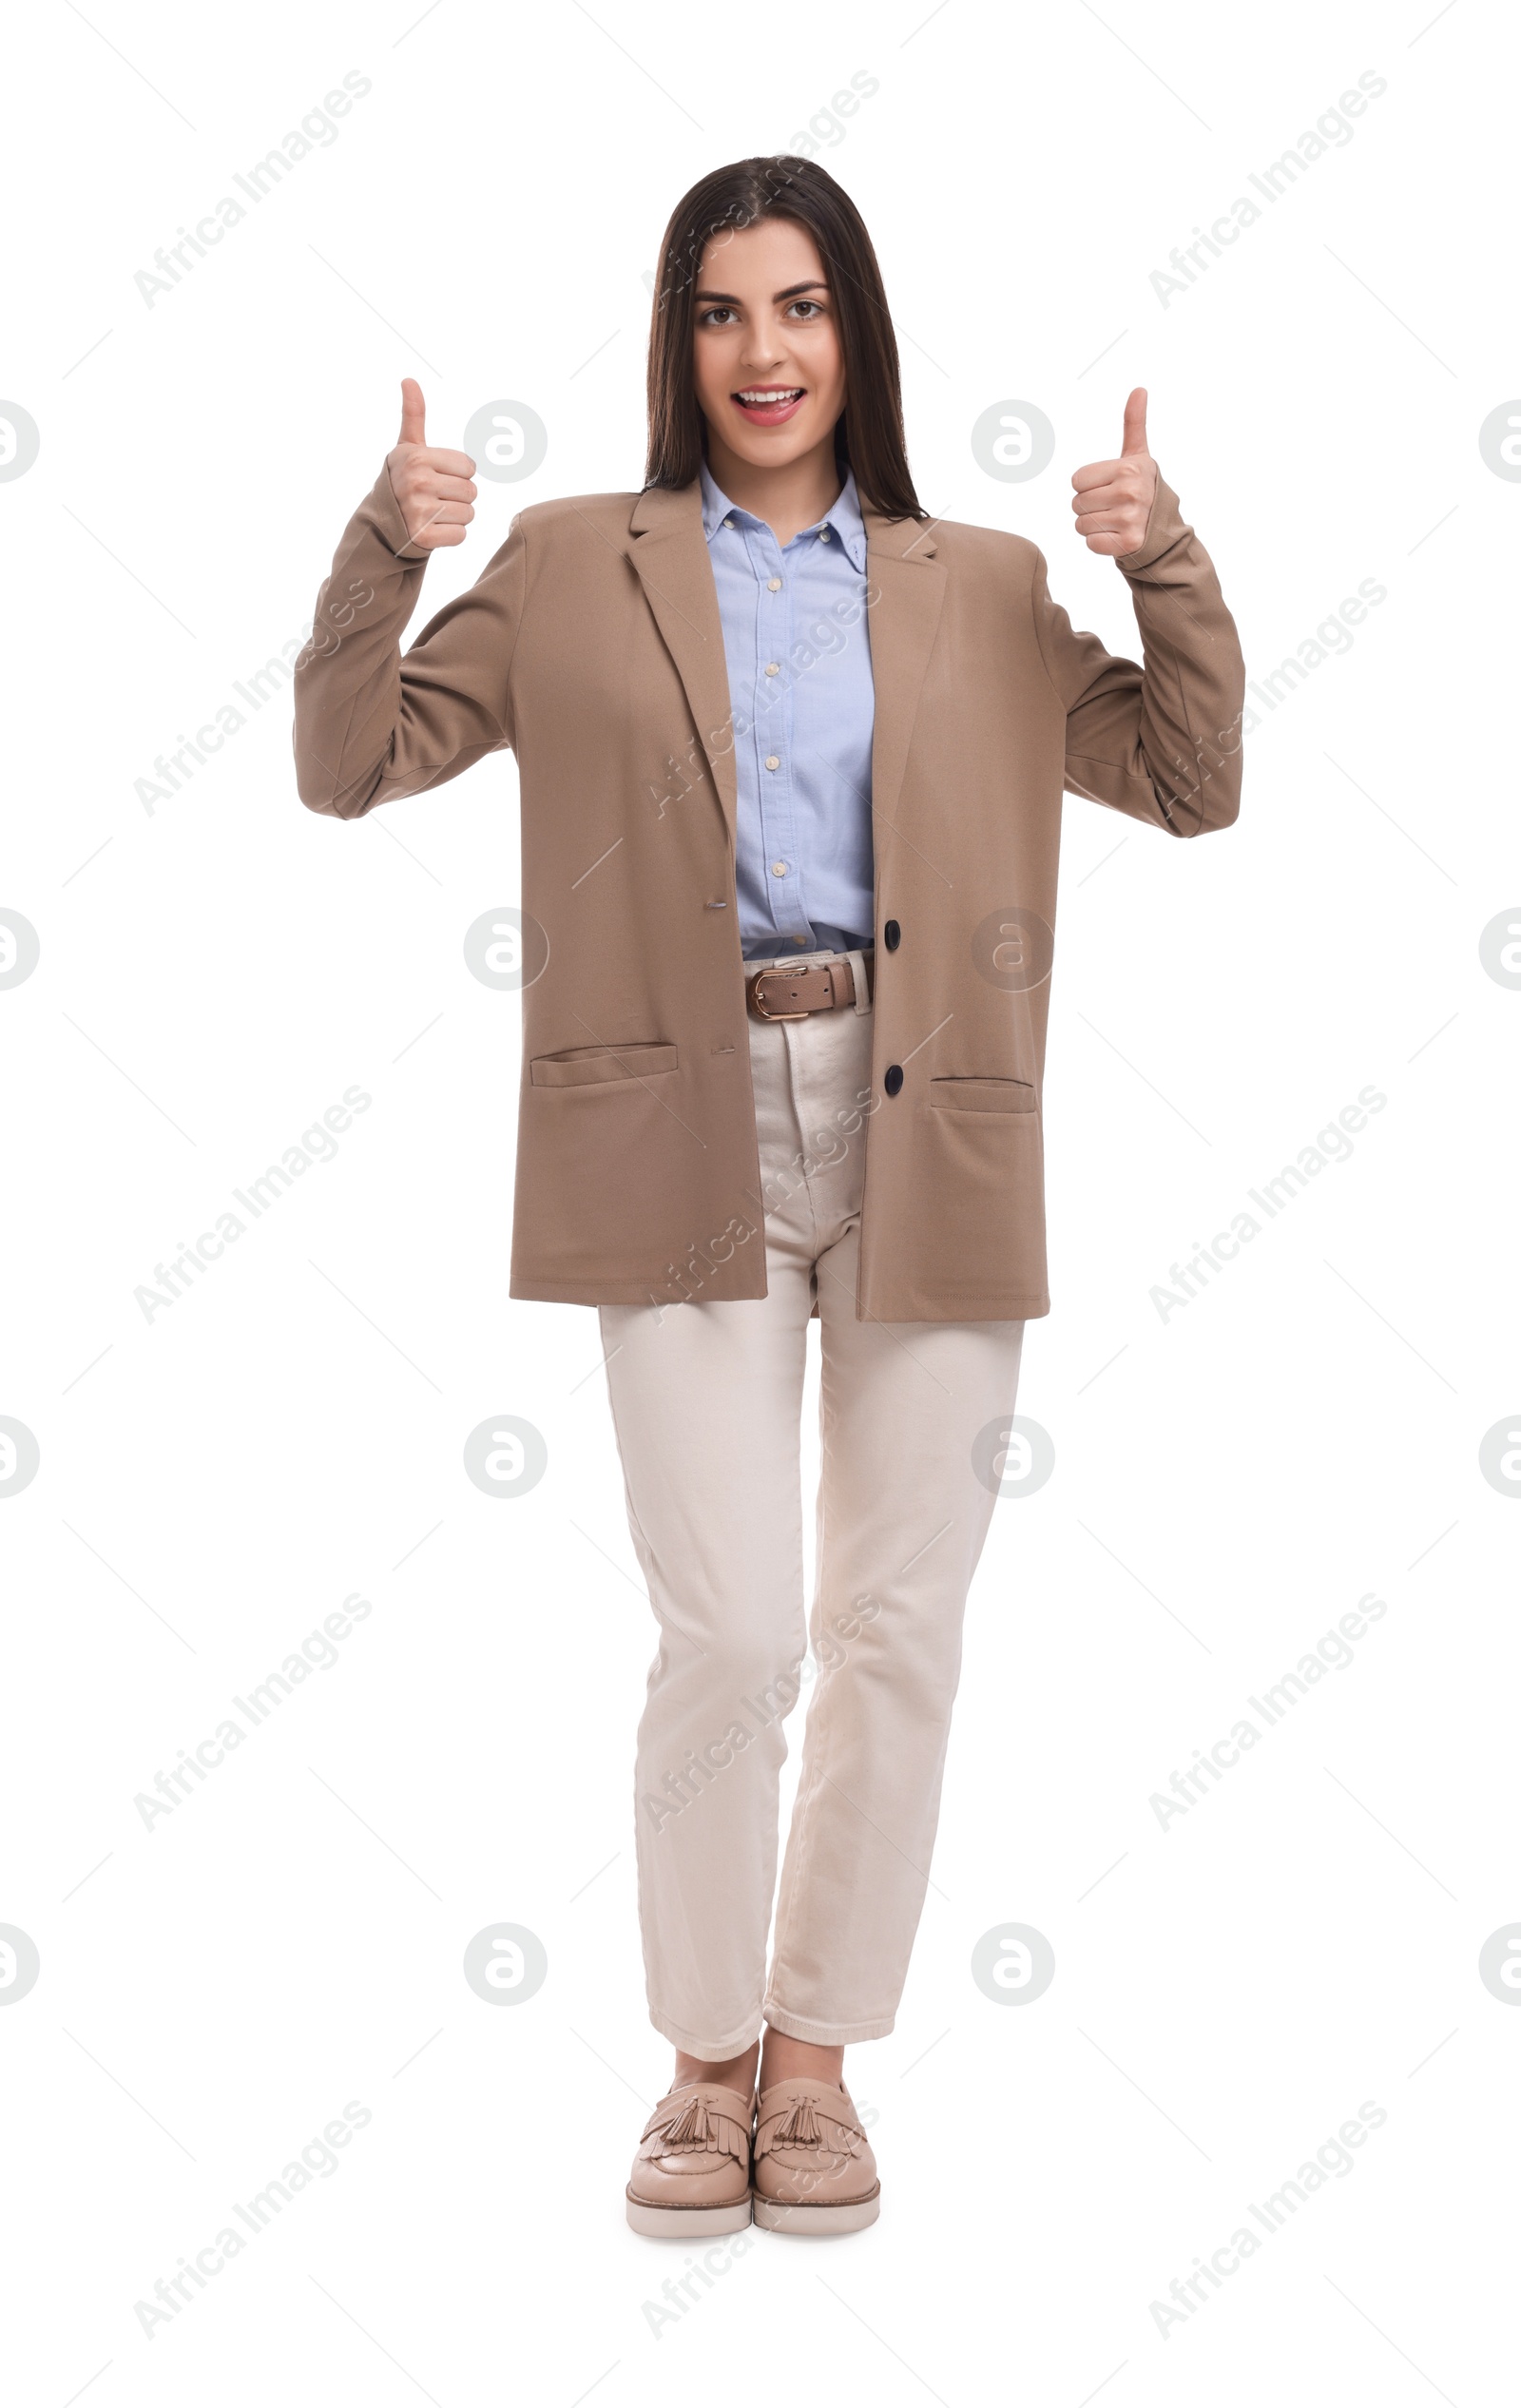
x: 787, y: 393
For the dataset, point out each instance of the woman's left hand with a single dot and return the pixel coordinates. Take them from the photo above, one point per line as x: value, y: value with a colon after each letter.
x: 1112, y: 498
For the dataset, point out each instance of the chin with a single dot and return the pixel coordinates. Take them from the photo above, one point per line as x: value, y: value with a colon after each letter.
x: 774, y: 449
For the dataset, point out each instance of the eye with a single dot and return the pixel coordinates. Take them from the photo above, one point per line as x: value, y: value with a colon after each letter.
x: 814, y: 309
x: 711, y: 316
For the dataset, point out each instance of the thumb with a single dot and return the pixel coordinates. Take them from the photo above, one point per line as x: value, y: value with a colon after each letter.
x: 1135, y: 423
x: 412, y: 413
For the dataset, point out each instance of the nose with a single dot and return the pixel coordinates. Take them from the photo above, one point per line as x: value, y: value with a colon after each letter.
x: 765, y: 350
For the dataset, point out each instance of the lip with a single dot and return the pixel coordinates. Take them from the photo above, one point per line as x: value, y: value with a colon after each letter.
x: 771, y: 414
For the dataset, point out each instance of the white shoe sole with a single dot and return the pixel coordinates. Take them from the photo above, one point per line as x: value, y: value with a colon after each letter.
x: 680, y: 2224
x: 853, y: 2215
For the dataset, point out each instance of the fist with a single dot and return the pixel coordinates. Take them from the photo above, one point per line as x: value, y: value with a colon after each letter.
x: 1112, y: 498
x: 434, y: 489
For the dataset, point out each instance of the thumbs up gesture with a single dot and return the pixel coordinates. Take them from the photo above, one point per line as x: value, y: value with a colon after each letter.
x: 1112, y: 498
x: 432, y: 488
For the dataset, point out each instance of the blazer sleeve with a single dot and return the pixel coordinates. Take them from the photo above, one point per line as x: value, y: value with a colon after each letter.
x: 372, y: 722
x: 1162, y: 742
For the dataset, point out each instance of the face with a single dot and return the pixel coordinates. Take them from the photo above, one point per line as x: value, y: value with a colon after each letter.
x: 769, y: 370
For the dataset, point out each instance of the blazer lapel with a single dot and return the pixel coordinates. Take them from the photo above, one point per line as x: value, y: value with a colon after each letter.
x: 908, y: 590
x: 669, y: 553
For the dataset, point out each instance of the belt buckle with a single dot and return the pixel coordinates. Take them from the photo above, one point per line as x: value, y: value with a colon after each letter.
x: 761, y: 1011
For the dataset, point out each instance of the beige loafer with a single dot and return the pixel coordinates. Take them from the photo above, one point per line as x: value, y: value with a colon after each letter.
x: 692, y: 2173
x: 814, y: 2168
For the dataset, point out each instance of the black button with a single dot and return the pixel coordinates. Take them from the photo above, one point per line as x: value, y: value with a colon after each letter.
x: 892, y: 936
x: 892, y: 1077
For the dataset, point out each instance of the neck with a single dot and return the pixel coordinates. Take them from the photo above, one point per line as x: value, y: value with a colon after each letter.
x: 788, y: 497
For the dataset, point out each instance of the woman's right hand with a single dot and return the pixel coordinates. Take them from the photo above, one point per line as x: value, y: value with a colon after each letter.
x: 434, y: 489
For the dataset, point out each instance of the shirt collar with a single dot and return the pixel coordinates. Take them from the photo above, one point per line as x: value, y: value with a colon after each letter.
x: 844, y: 517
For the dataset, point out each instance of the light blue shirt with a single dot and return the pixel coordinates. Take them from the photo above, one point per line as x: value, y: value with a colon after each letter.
x: 803, y: 702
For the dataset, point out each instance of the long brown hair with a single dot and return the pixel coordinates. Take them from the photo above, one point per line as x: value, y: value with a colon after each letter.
x: 869, y: 437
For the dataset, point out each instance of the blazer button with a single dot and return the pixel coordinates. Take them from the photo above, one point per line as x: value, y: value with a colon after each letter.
x: 892, y: 1077
x: 892, y: 936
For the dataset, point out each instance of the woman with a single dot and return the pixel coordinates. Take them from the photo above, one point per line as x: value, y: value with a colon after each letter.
x: 792, y: 757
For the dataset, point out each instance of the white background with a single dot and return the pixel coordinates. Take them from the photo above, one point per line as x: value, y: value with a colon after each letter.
x: 1229, y: 1480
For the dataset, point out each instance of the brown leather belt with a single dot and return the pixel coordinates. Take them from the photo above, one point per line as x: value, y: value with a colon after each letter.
x: 814, y: 986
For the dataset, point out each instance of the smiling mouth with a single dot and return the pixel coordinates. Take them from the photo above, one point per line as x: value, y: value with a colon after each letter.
x: 769, y: 403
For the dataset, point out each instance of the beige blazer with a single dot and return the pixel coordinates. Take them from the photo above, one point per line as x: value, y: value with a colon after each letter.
x: 591, y: 646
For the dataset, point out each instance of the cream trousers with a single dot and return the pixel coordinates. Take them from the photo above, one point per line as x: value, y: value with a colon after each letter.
x: 707, y: 1405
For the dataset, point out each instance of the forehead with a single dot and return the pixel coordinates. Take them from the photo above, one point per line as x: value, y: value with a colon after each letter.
x: 761, y: 260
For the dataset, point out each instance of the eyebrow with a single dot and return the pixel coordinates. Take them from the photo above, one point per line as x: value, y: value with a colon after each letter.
x: 813, y: 284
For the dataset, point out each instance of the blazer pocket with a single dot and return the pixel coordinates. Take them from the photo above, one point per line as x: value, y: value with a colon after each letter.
x: 601, y: 1064
x: 982, y: 1095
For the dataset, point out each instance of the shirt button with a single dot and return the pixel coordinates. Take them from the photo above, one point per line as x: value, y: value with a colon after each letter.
x: 893, y: 1078
x: 779, y: 869
x: 823, y: 534
x: 773, y: 760
x: 728, y: 521
x: 773, y: 668
x: 773, y: 585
